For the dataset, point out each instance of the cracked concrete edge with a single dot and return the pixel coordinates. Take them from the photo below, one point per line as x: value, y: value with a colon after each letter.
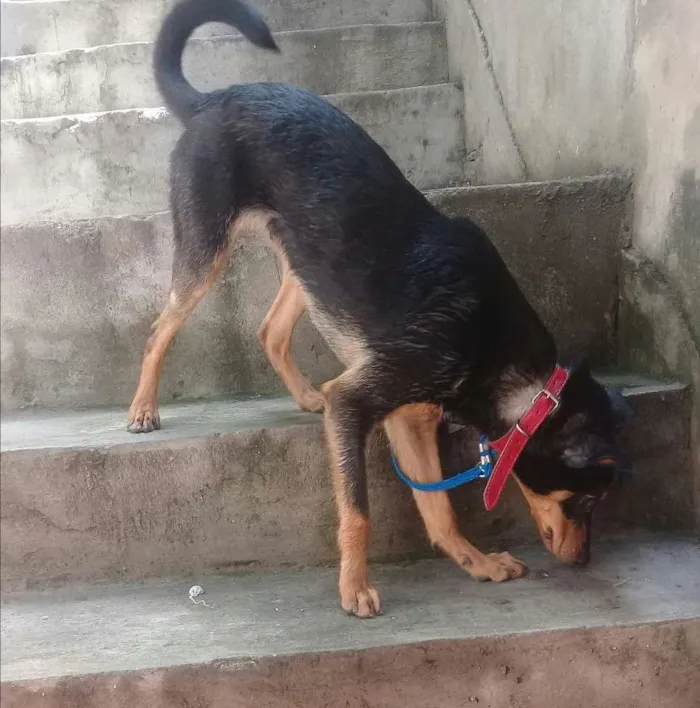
x: 493, y: 152
x: 635, y: 666
x: 486, y: 54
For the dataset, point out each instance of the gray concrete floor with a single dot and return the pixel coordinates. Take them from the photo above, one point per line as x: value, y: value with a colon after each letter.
x: 99, y: 428
x: 119, y: 628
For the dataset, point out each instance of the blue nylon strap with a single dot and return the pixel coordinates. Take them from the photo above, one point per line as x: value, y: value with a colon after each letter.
x: 481, y: 471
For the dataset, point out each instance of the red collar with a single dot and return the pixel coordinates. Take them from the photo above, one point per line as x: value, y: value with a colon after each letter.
x: 514, y: 441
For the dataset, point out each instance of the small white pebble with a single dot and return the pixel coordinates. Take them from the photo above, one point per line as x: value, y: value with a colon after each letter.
x: 195, y: 592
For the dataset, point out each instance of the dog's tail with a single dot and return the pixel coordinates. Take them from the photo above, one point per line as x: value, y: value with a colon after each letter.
x: 179, y: 94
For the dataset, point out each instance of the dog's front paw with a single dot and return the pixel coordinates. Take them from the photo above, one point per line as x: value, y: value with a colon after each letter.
x: 359, y: 599
x: 143, y: 418
x: 497, y: 567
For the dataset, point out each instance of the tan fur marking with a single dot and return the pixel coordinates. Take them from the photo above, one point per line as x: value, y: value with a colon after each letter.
x: 183, y: 299
x: 412, y: 433
x: 560, y: 535
x: 275, y: 333
x: 357, y: 596
x: 252, y: 222
x: 344, y: 340
x: 275, y: 337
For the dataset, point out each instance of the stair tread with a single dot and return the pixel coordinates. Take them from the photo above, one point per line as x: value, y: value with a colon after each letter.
x: 440, y: 196
x: 226, y: 38
x: 119, y: 76
x: 87, y: 630
x: 42, y: 26
x: 87, y: 165
x: 154, y: 113
x: 105, y: 427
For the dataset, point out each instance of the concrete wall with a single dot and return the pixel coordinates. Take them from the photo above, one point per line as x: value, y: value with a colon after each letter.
x: 548, y: 90
x: 556, y: 88
x: 662, y: 292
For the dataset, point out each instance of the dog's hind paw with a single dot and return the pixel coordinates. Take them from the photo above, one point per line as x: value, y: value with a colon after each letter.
x: 143, y: 420
x: 312, y: 402
x: 362, y: 601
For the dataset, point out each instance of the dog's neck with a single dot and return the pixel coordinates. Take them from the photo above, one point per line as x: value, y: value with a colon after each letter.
x: 514, y: 395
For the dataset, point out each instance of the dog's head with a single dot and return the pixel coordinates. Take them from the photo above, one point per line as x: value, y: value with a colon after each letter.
x: 570, y: 463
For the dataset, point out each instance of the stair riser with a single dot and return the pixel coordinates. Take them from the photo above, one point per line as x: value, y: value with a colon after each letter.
x: 77, y: 295
x: 263, y: 498
x: 645, y: 666
x: 116, y: 163
x: 30, y: 27
x: 329, y: 61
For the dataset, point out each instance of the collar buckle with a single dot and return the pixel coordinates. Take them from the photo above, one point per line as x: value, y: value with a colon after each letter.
x: 548, y: 394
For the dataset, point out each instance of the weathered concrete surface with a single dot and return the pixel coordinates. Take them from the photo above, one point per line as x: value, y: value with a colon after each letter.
x: 561, y: 240
x: 656, y: 334
x: 29, y: 27
x: 663, y: 289
x: 535, y: 104
x: 78, y: 300
x: 234, y: 485
x: 338, y: 60
x: 624, y: 632
x: 78, y: 294
x: 647, y: 666
x: 116, y: 163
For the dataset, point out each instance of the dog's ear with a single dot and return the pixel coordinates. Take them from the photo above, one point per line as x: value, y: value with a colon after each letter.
x: 622, y: 410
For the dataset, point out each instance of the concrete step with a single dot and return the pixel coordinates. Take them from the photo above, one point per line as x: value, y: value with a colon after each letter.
x: 31, y: 26
x: 77, y: 294
x: 341, y: 60
x: 245, y: 484
x: 625, y: 632
x: 114, y: 163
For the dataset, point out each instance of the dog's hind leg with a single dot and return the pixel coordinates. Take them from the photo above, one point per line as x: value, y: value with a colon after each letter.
x: 412, y: 432
x: 348, y: 421
x: 275, y: 336
x: 197, y: 264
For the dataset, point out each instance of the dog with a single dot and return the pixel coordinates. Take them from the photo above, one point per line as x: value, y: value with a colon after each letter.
x: 420, y: 308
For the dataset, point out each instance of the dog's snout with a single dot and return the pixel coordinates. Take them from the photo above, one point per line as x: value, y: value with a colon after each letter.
x: 584, y: 556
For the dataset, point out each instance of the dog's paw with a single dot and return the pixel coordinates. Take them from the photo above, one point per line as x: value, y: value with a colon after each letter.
x: 312, y: 402
x: 143, y: 419
x: 498, y: 567
x: 361, y: 600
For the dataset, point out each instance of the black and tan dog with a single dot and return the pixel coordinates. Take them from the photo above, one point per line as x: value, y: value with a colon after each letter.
x: 419, y: 307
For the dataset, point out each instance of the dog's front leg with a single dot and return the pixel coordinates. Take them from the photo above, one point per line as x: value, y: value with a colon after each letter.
x: 347, y: 425
x: 412, y: 432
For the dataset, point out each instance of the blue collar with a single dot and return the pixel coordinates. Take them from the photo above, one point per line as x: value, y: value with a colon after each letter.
x: 481, y: 471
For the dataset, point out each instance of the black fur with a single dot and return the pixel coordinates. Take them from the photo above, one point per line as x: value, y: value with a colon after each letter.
x: 428, y: 295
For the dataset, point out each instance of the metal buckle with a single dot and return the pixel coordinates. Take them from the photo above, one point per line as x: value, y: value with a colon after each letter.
x: 548, y: 394
x: 519, y: 429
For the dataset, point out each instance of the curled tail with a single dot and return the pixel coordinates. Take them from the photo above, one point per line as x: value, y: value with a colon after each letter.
x: 179, y: 94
